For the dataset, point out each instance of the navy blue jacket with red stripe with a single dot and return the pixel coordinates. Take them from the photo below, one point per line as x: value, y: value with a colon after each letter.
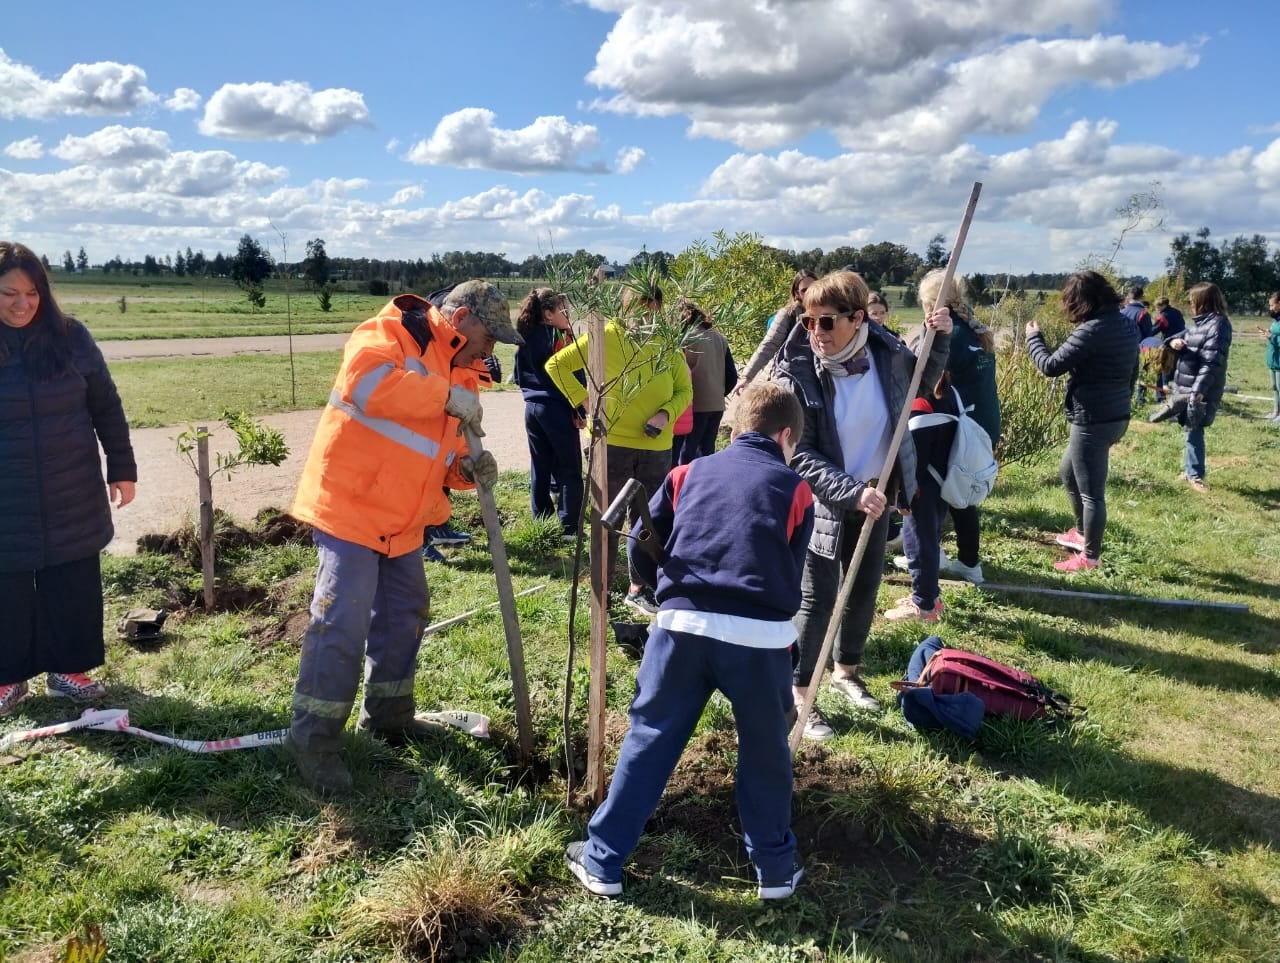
x: 733, y: 527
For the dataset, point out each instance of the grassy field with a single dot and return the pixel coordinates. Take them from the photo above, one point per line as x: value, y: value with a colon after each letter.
x: 1143, y: 830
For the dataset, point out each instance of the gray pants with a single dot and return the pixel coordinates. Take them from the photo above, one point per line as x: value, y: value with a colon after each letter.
x: 819, y: 586
x: 368, y: 606
x: 650, y: 469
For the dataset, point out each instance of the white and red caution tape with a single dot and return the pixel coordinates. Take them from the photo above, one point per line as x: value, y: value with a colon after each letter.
x: 117, y: 720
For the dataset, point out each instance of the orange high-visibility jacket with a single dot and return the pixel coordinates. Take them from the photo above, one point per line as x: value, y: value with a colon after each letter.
x: 385, y: 448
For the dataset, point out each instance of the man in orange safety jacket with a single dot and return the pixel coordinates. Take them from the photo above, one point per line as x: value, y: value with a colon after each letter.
x: 389, y: 442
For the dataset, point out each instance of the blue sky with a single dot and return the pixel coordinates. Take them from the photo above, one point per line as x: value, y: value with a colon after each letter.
x: 527, y: 127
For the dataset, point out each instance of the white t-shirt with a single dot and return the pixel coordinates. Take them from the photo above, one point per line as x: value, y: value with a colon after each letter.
x: 862, y: 422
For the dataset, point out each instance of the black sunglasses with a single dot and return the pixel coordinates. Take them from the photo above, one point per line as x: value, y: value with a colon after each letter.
x: 825, y: 321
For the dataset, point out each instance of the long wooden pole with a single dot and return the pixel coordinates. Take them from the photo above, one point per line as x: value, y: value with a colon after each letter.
x: 599, y: 487
x: 507, y: 604
x: 899, y: 432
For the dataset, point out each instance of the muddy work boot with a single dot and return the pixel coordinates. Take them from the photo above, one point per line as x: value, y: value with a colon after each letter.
x: 323, y: 771
x: 417, y: 729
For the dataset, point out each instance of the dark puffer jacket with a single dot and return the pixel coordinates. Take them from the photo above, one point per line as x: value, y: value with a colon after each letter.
x: 1100, y: 359
x: 819, y: 459
x: 53, y: 501
x: 1202, y: 364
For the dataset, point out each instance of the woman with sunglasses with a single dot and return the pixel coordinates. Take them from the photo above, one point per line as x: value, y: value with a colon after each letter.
x: 853, y: 377
x: 553, y: 426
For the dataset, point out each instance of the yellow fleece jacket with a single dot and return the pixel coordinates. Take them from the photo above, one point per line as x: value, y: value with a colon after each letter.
x: 650, y: 384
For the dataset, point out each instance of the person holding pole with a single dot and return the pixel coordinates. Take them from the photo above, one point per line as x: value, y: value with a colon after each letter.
x: 726, y: 596
x: 388, y: 443
x: 853, y: 378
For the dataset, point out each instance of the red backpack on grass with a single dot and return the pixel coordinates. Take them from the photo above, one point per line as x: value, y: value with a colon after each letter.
x: 1004, y: 690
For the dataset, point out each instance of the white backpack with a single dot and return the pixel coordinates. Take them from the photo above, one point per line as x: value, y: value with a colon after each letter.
x: 971, y: 466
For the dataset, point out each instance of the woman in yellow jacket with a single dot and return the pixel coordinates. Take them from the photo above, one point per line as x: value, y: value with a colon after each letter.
x: 647, y: 391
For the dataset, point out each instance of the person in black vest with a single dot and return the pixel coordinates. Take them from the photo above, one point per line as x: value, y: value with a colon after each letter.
x: 1100, y: 360
x: 57, y: 404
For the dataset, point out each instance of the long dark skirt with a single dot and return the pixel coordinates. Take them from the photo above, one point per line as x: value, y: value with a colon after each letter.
x: 52, y: 620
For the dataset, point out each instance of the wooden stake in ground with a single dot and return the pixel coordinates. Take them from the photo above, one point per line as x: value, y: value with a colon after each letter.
x: 206, y: 514
x: 598, y: 484
x: 507, y: 604
x: 891, y: 458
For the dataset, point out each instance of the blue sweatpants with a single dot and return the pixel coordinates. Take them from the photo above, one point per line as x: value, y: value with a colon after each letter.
x: 368, y: 606
x: 677, y: 675
x: 555, y: 462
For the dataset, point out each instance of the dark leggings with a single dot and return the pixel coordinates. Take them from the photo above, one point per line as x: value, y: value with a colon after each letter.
x: 1084, y: 473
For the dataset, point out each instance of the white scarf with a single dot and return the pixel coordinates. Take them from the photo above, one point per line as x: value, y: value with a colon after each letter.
x: 835, y: 363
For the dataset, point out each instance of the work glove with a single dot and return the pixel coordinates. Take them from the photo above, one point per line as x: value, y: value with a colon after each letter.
x: 482, y: 470
x: 464, y: 405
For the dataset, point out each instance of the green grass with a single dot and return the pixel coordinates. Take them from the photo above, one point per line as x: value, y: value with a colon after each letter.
x: 1144, y: 830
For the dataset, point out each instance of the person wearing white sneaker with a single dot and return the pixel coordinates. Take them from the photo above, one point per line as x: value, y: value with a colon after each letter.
x: 853, y: 377
x: 58, y: 404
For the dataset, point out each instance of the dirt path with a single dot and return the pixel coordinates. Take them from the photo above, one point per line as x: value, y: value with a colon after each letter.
x: 167, y: 485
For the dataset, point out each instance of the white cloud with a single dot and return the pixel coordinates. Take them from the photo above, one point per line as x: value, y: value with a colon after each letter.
x: 468, y: 138
x: 287, y: 111
x: 629, y: 159
x: 393, y: 145
x: 114, y: 146
x: 100, y: 88
x: 403, y: 196
x: 925, y: 77
x: 29, y: 148
x: 184, y: 98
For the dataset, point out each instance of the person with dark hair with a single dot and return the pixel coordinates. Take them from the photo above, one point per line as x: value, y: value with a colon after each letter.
x: 713, y: 374
x: 1136, y: 311
x: 1168, y: 324
x: 780, y: 328
x: 57, y: 405
x: 852, y: 377
x: 640, y: 409
x: 878, y: 310
x: 1100, y: 360
x: 1273, y: 353
x: 1201, y: 372
x: 553, y: 426
x: 726, y: 596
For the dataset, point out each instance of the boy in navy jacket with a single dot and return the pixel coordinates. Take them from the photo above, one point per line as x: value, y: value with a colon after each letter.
x: 733, y: 527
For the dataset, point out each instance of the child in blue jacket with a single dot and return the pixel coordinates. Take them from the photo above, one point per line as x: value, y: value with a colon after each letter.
x: 733, y: 527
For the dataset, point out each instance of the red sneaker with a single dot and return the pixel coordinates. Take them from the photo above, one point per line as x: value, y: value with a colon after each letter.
x: 1077, y: 563
x: 1071, y: 539
x: 75, y: 686
x: 11, y: 695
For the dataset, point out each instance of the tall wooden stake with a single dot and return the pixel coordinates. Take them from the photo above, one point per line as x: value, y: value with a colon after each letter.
x: 891, y: 458
x: 206, y: 514
x: 507, y: 605
x: 599, y: 488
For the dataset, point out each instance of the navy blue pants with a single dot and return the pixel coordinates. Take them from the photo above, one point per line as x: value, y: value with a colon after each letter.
x: 677, y: 676
x: 555, y: 462
x: 921, y: 536
x: 701, y: 440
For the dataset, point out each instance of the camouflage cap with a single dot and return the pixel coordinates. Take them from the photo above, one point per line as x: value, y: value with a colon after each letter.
x: 487, y: 303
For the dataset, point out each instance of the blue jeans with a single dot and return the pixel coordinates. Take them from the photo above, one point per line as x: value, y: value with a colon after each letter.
x: 1084, y: 473
x: 1193, y: 457
x: 701, y: 440
x: 677, y: 675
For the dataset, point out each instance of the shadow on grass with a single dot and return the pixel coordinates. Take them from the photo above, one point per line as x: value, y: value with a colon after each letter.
x: 396, y: 790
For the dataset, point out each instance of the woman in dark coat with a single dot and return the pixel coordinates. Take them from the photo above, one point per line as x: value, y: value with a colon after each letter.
x: 1201, y: 372
x: 853, y: 377
x: 1100, y: 360
x: 57, y: 403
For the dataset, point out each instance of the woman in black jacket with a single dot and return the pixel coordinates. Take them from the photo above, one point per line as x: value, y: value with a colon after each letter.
x: 57, y: 402
x: 1201, y: 372
x: 1100, y: 360
x: 553, y: 427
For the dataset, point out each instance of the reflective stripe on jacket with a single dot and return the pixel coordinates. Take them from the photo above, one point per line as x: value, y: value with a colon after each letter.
x: 385, y: 449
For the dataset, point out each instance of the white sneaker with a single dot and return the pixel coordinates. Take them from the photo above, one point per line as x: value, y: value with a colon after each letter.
x: 970, y: 573
x: 855, y: 690
x: 904, y: 563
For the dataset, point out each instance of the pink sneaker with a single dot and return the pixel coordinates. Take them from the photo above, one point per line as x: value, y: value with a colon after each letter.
x: 75, y: 686
x: 1077, y: 563
x: 1072, y: 540
x: 907, y: 609
x: 11, y: 695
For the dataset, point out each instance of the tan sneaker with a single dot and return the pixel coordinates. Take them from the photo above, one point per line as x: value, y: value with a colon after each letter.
x: 906, y: 609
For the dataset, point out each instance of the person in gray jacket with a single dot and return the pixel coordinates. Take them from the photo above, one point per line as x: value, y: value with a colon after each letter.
x: 1201, y: 372
x: 1100, y: 360
x: 853, y: 378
